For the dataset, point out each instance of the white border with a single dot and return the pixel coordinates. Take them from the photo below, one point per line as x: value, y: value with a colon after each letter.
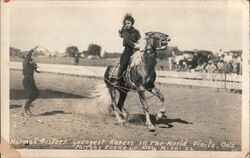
x: 5, y: 11
x: 245, y: 79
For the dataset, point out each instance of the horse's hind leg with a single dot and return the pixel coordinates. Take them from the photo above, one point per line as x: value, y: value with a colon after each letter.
x: 162, y: 111
x: 145, y: 109
x: 123, y: 96
x: 114, y: 107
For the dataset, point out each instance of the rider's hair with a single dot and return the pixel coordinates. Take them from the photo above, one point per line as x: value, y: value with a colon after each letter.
x: 128, y: 17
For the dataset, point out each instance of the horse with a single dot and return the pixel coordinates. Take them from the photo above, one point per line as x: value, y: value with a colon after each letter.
x: 139, y: 76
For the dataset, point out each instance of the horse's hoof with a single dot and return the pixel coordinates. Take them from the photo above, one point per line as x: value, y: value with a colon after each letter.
x: 164, y: 117
x: 159, y: 116
x: 151, y: 128
x: 125, y: 115
x: 123, y: 124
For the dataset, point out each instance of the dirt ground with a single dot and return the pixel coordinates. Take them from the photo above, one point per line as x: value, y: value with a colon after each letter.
x: 66, y: 118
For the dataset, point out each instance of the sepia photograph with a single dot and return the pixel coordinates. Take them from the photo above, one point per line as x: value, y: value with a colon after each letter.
x: 125, y: 78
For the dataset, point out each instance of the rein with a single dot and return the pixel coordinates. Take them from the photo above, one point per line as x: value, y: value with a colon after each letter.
x: 150, y: 55
x: 149, y: 51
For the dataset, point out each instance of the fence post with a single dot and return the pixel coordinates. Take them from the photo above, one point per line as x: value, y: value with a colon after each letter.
x: 170, y: 63
x: 225, y: 80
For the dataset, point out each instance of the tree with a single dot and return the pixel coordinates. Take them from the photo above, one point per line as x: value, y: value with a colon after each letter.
x: 94, y: 49
x: 14, y: 51
x: 71, y: 51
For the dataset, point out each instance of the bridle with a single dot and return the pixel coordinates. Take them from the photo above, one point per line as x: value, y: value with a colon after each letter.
x: 150, y: 46
x: 154, y: 41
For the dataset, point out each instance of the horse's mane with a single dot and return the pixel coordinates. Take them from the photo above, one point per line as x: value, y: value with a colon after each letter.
x: 136, y: 58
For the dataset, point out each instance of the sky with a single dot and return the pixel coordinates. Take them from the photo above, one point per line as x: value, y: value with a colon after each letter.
x: 199, y: 25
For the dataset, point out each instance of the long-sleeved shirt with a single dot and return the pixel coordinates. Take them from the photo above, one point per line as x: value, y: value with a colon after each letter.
x: 28, y: 66
x: 130, y: 36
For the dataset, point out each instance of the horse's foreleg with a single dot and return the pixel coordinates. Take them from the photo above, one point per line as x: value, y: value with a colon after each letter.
x: 114, y: 107
x: 146, y: 111
x: 162, y: 111
x: 123, y: 96
x: 113, y: 99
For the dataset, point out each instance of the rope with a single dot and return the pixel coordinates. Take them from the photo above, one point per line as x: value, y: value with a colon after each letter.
x: 120, y: 87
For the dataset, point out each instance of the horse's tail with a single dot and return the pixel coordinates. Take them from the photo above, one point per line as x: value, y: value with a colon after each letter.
x: 102, y: 98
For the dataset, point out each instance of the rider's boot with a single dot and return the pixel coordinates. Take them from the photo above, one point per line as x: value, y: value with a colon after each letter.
x: 119, y: 79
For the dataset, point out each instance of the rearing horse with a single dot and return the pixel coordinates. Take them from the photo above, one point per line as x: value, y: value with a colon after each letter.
x: 140, y: 76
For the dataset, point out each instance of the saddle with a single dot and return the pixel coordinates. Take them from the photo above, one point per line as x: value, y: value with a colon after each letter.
x: 135, y: 60
x: 114, y: 73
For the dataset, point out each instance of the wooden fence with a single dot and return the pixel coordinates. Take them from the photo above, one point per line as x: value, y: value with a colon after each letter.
x: 228, y: 81
x: 215, y: 80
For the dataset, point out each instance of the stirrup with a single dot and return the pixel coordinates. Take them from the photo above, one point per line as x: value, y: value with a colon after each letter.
x: 114, y: 83
x: 118, y: 80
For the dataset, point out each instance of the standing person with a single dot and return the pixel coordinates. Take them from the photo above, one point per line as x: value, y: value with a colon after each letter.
x: 130, y: 37
x: 29, y: 67
x: 211, y: 67
x: 220, y: 66
x: 77, y: 56
x: 238, y: 61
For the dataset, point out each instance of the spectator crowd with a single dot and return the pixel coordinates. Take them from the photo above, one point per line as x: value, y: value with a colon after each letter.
x: 228, y: 62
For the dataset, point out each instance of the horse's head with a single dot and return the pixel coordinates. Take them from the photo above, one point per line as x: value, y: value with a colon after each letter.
x: 149, y: 45
x: 156, y: 40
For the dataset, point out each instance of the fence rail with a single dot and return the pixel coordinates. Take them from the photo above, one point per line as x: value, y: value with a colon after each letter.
x: 200, y: 76
x: 228, y: 81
